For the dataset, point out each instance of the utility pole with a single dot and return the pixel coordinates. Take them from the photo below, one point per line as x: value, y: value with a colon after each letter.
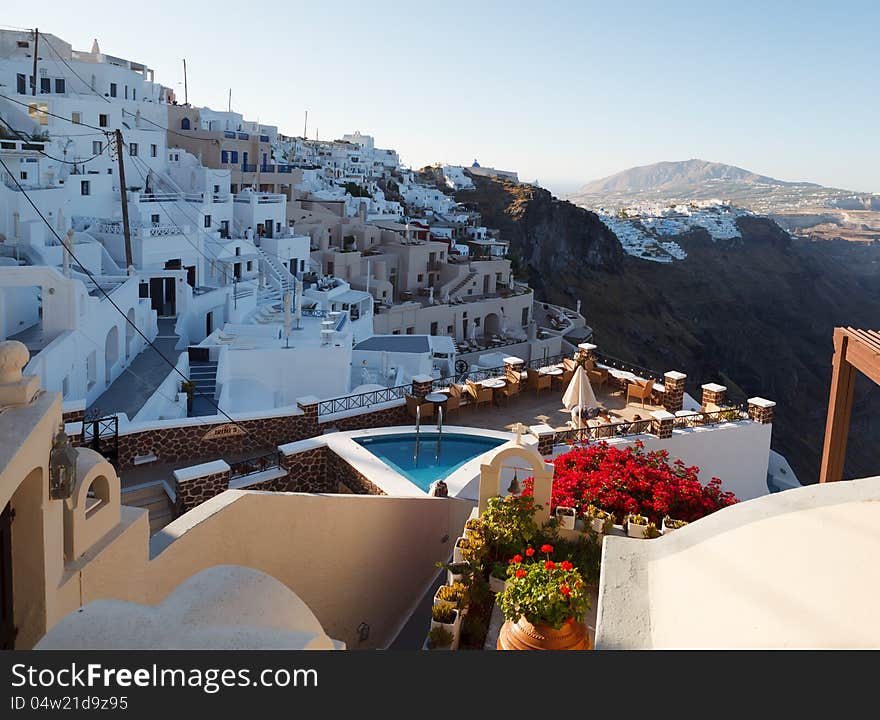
x: 306, y: 125
x: 230, y: 99
x: 36, y: 45
x: 125, y: 228
x: 185, y: 93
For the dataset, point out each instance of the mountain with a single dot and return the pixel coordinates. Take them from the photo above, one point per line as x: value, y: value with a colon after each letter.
x: 754, y: 312
x: 806, y: 209
x: 680, y: 180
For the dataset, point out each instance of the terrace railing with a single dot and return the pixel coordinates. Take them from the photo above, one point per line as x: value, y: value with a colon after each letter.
x: 733, y: 413
x: 362, y: 400
x: 606, y: 431
x: 254, y: 465
x: 639, y: 370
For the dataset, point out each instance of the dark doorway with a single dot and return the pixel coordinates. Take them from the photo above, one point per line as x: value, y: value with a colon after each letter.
x: 7, y: 624
x: 156, y: 293
x: 191, y: 275
x: 268, y: 227
x: 209, y: 323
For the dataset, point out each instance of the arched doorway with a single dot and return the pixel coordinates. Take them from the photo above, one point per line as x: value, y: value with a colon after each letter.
x: 492, y: 324
x: 184, y: 124
x: 111, y: 353
x: 129, y: 332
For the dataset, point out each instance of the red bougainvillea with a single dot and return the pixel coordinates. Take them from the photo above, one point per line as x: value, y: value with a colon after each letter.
x: 627, y: 479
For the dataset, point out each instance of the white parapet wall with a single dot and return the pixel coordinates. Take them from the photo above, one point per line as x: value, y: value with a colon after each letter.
x: 792, y: 570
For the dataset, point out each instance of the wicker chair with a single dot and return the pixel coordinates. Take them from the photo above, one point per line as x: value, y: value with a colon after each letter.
x: 426, y: 409
x: 640, y: 389
x: 597, y: 376
x: 454, y: 404
x: 536, y: 381
x: 481, y: 395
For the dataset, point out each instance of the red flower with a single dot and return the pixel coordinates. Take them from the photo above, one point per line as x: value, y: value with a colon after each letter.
x: 570, y: 621
x: 520, y: 573
x: 549, y: 565
x: 546, y: 548
x: 530, y: 552
x: 516, y: 559
x: 566, y: 565
x: 565, y: 589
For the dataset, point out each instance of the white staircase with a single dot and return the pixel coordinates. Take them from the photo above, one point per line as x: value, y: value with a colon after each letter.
x: 459, y: 287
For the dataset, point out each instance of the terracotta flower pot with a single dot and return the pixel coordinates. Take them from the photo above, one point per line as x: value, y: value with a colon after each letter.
x: 523, y: 635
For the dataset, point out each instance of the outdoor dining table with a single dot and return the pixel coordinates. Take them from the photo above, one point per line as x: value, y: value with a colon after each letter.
x: 550, y: 371
x: 496, y: 384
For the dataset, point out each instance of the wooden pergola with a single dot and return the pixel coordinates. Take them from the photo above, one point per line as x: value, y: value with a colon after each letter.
x: 853, y: 350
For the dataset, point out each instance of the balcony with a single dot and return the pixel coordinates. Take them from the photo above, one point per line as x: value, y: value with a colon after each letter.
x: 247, y: 167
x: 229, y: 134
x: 243, y: 136
x: 267, y: 168
x: 264, y: 138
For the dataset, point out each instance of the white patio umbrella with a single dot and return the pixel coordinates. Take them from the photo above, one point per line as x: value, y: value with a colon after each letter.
x: 579, y: 394
x: 298, y: 301
x: 287, y: 318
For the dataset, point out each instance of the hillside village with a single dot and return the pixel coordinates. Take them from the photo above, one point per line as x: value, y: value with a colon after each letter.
x: 257, y: 389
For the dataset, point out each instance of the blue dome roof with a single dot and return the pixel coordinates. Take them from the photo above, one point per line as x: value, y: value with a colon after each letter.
x: 476, y: 164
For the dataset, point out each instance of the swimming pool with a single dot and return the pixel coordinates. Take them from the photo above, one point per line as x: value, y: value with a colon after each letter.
x: 398, y: 451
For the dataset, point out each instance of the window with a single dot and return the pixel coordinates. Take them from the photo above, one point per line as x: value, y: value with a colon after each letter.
x: 97, y: 148
x: 184, y: 124
x: 224, y: 156
x: 302, y: 265
x: 23, y: 175
x: 102, y: 120
x: 420, y: 278
x: 216, y: 188
x: 126, y: 92
x: 433, y: 328
x: 39, y: 112
x: 154, y: 150
x: 395, y: 332
x: 133, y: 149
x: 410, y: 330
x: 45, y: 85
x: 449, y: 329
x: 207, y: 221
x: 233, y: 156
x: 250, y: 265
x: 233, y: 188
x: 60, y: 87
x: 134, y: 95
x: 112, y: 89
x: 76, y: 118
x: 21, y: 84
x: 84, y: 187
x: 154, y: 219
x: 22, y: 44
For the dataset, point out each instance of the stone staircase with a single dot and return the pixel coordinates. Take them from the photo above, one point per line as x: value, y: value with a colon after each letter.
x: 467, y: 280
x: 203, y: 373
x: 152, y: 497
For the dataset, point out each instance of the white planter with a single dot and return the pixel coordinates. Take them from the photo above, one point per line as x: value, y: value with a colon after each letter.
x: 456, y: 552
x: 635, y: 531
x: 454, y: 627
x: 664, y: 529
x: 565, y: 521
x: 450, y: 578
x: 597, y: 525
x: 496, y: 585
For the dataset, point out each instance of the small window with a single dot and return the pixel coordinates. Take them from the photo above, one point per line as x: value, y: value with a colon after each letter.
x: 23, y: 175
x: 45, y: 85
x: 126, y: 92
x: 39, y: 112
x: 21, y: 84
x: 449, y: 329
x: 97, y: 147
x: 154, y: 150
x: 154, y: 218
x: 84, y: 187
x: 60, y: 87
x: 395, y: 332
x: 23, y: 44
x: 102, y: 120
x: 250, y: 265
x: 76, y: 118
x: 233, y: 156
x: 420, y: 278
x: 133, y: 149
x: 134, y: 95
x: 224, y: 156
x: 433, y: 328
x: 112, y: 89
x: 207, y: 221
x: 410, y: 330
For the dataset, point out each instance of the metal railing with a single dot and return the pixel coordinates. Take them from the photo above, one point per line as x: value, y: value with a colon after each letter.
x: 618, y: 364
x: 362, y: 400
x: 254, y: 465
x: 267, y: 168
x: 732, y: 413
x: 248, y: 167
x: 606, y: 431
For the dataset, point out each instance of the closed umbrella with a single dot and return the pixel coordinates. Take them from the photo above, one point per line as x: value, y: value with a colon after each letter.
x: 579, y: 396
x: 287, y: 317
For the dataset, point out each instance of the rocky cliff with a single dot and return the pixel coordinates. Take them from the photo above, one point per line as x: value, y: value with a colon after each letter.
x: 755, y: 314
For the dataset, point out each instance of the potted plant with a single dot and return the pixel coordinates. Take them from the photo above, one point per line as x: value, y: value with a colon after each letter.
x: 461, y: 544
x: 498, y: 577
x: 651, y: 531
x: 457, y: 572
x: 636, y: 525
x: 601, y: 521
x: 669, y: 524
x: 566, y: 517
x: 544, y: 605
x: 446, y: 616
x: 188, y: 387
x: 455, y: 593
x: 439, y: 638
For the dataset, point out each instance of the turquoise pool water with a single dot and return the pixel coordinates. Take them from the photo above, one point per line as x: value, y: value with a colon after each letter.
x: 455, y: 450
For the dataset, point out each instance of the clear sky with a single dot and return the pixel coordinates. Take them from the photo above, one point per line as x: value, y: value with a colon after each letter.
x: 562, y: 92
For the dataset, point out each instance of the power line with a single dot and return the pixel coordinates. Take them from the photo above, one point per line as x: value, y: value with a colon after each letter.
x: 58, y: 55
x: 91, y: 276
x: 46, y: 112
x: 52, y: 157
x: 161, y: 127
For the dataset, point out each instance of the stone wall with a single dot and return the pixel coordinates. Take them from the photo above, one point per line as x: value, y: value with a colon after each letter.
x: 192, y: 493
x: 307, y: 471
x: 182, y: 444
x: 339, y: 471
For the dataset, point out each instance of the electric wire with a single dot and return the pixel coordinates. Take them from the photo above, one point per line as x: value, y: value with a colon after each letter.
x: 58, y: 55
x: 52, y: 157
